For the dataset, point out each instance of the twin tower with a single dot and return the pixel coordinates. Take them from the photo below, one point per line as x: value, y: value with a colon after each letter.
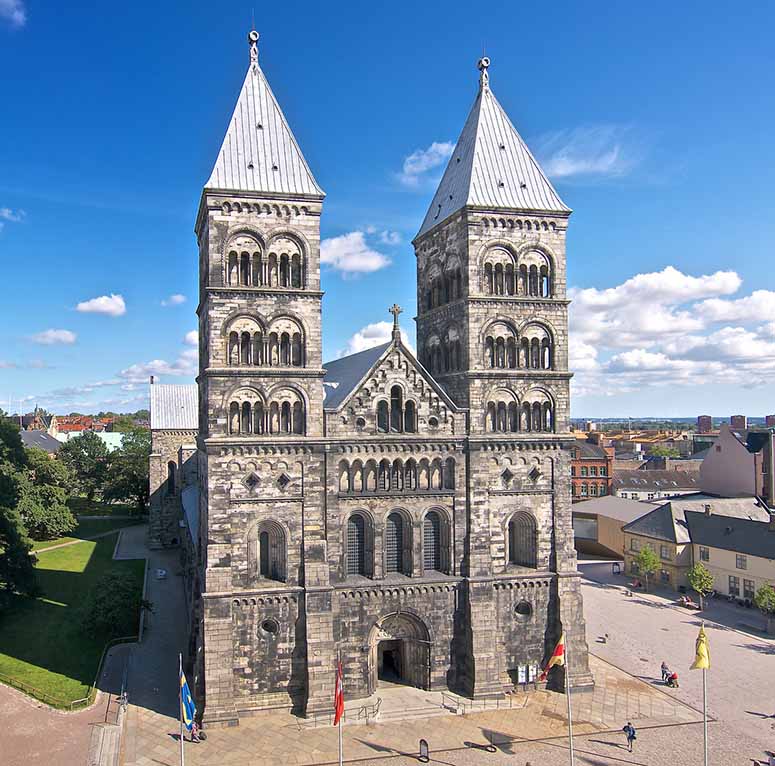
x: 408, y: 517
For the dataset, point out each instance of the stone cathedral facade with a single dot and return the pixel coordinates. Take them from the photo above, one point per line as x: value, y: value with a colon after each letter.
x: 409, y: 516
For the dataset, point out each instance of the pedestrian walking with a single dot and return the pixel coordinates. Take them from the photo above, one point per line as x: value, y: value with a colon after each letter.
x: 665, y: 672
x: 629, y: 732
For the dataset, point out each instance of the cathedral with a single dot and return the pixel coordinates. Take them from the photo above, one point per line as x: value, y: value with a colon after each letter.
x: 409, y: 517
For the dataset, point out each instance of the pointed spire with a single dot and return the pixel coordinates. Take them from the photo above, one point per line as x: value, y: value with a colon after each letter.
x: 259, y: 152
x: 395, y: 310
x: 491, y: 166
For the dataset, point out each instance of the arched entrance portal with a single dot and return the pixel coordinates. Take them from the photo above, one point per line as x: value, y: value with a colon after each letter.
x: 399, y: 652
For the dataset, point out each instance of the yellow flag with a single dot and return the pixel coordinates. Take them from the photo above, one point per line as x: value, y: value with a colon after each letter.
x: 702, y: 652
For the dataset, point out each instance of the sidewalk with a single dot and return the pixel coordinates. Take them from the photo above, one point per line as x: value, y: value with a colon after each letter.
x: 748, y: 622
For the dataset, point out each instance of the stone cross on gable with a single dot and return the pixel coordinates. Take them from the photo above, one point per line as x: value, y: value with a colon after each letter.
x: 395, y: 310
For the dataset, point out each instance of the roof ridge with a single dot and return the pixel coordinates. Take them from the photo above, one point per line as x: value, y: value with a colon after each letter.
x: 259, y: 152
x: 491, y: 167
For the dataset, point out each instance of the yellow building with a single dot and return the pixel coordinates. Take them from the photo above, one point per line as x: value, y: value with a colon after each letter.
x: 665, y: 532
x: 739, y: 552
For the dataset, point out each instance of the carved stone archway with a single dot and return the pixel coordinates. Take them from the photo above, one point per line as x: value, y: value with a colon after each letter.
x: 407, y: 638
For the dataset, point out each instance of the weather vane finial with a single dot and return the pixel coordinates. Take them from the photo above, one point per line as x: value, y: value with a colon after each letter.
x: 253, y: 42
x: 395, y: 310
x: 484, y: 76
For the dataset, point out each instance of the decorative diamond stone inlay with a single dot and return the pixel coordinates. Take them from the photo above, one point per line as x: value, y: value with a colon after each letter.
x: 251, y: 481
x: 534, y: 474
x: 507, y: 476
x: 283, y: 481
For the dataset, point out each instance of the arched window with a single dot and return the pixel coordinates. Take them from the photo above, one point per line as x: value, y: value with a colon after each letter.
x: 410, y: 417
x: 298, y: 418
x: 431, y: 542
x: 266, y: 552
x: 397, y: 476
x: 296, y: 271
x: 234, y: 348
x: 285, y: 349
x: 383, y: 419
x: 396, y: 409
x: 296, y: 360
x: 234, y: 419
x: 513, y: 416
x: 383, y: 477
x: 511, y: 353
x: 522, y: 540
x: 533, y: 288
x: 488, y: 279
x: 258, y: 348
x: 233, y: 268
x: 356, y: 545
x: 489, y: 347
x: 244, y: 272
x: 491, y: 421
x: 246, y: 420
x: 172, y: 470
x: 245, y: 348
x: 284, y: 270
x: 500, y: 352
x: 285, y: 417
x: 259, y: 426
x: 410, y: 475
x: 396, y: 557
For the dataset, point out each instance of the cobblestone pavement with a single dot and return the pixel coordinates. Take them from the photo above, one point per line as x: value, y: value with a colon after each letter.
x: 280, y: 738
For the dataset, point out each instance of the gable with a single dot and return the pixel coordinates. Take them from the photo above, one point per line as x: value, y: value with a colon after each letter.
x: 395, y: 378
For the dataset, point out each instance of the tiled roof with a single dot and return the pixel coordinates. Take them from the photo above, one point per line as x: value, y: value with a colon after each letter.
x: 492, y: 168
x: 755, y: 538
x: 660, y: 481
x: 174, y: 408
x: 343, y: 375
x: 259, y: 152
x: 40, y: 439
x: 590, y: 451
x: 663, y: 523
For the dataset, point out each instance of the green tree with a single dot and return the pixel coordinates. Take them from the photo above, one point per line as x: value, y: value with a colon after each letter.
x: 86, y: 457
x: 660, y: 450
x: 44, y: 511
x: 127, y: 476
x: 123, y: 423
x: 45, y: 470
x: 112, y: 608
x: 11, y: 447
x: 764, y: 598
x: 648, y: 562
x: 701, y: 580
x: 17, y: 571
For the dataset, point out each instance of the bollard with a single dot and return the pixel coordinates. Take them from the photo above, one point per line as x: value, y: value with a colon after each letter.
x: 424, y: 756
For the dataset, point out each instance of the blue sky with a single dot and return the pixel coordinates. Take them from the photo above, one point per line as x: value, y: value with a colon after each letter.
x: 655, y: 123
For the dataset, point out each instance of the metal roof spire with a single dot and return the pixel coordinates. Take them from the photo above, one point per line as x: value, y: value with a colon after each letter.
x: 484, y: 75
x: 253, y: 42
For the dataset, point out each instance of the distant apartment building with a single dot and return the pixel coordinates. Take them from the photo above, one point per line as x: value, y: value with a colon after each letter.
x: 769, y: 421
x: 738, y: 422
x: 591, y: 470
x: 740, y: 464
x: 704, y: 424
x: 653, y: 485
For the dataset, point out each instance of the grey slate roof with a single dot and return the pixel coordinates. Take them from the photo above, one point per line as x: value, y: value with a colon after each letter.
x: 754, y: 538
x: 259, y: 152
x: 733, y: 507
x: 613, y: 507
x: 174, y: 407
x: 589, y: 450
x: 663, y: 523
x: 343, y: 375
x: 654, y: 481
x: 492, y: 168
x: 41, y: 439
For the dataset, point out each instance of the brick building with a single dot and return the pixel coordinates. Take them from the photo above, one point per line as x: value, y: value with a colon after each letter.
x: 704, y: 424
x: 591, y: 470
x: 412, y: 518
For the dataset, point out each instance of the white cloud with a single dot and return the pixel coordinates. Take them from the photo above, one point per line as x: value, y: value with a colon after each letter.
x: 5, y: 365
x: 6, y: 214
x: 420, y: 162
x: 174, y: 300
x: 14, y: 12
x: 657, y: 329
x: 191, y: 338
x: 112, y: 305
x: 390, y: 238
x: 52, y: 337
x: 372, y: 335
x: 137, y: 373
x: 350, y: 254
x: 596, y: 150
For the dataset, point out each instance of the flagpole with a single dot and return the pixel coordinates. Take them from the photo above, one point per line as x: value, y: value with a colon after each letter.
x: 705, y: 711
x: 570, y: 718
x: 338, y: 667
x: 180, y: 706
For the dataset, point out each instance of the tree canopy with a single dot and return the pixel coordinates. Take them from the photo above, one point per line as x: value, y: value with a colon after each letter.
x: 647, y: 561
x: 86, y: 457
x: 127, y: 474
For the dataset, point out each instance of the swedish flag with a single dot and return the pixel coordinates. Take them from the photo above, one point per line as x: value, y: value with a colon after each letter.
x: 187, y: 706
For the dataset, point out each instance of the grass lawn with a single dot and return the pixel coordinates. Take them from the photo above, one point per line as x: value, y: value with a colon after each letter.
x: 41, y: 643
x: 86, y: 528
x: 80, y: 506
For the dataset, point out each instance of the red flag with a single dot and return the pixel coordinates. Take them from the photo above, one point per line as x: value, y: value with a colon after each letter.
x: 557, y: 658
x: 338, y: 696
